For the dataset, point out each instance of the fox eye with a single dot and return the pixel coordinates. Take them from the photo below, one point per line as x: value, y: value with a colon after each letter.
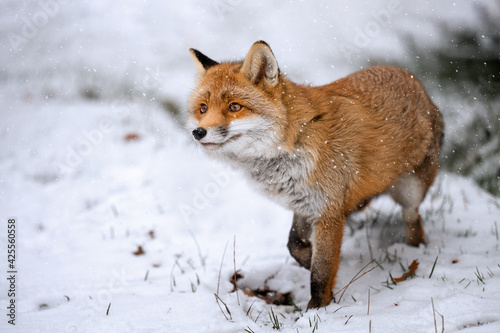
x: 234, y: 107
x: 203, y: 108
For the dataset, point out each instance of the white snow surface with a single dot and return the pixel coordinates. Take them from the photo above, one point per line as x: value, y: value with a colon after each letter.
x: 90, y: 180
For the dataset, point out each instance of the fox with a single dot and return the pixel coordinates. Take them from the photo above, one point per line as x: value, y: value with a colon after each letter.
x: 321, y: 151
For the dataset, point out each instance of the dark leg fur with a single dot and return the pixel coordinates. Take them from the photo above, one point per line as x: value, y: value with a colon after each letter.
x: 299, y: 245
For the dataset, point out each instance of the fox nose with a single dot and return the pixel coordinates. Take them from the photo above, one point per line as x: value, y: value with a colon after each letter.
x: 199, y: 133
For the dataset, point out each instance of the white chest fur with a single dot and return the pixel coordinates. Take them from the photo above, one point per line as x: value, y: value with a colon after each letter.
x: 285, y: 179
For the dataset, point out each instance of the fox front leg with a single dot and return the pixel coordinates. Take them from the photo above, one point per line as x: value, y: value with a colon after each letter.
x: 299, y: 244
x: 325, y: 258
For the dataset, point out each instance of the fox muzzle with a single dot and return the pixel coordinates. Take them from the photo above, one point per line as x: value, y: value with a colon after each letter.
x: 199, y: 133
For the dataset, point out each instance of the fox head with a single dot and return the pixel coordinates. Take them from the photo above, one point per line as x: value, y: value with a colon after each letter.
x: 236, y: 109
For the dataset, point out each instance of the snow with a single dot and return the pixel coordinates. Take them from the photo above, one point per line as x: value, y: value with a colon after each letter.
x: 86, y: 195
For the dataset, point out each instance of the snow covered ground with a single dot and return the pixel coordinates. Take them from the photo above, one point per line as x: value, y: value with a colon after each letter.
x: 123, y: 225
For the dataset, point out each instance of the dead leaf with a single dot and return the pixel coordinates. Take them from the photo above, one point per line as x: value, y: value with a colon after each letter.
x: 234, y: 280
x: 139, y: 251
x: 266, y: 294
x: 248, y: 292
x: 131, y: 137
x: 412, y: 268
x: 270, y: 296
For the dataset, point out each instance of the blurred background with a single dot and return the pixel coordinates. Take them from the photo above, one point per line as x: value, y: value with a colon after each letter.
x: 115, y: 52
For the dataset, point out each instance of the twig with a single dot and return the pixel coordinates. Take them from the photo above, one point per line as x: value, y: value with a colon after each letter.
x: 465, y: 200
x: 369, y: 244
x: 172, y: 277
x: 434, y: 315
x: 234, y: 266
x: 202, y: 259
x: 433, y: 266
x: 220, y: 269
x: 249, y: 313
x: 356, y: 277
x: 368, y: 312
x: 442, y: 321
x: 274, y: 320
x: 217, y: 298
x: 179, y: 265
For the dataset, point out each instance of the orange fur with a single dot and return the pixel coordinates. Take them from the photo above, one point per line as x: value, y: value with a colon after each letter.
x: 321, y: 151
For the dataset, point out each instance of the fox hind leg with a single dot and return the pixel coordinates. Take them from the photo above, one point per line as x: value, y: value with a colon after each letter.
x: 410, y: 189
x: 409, y: 192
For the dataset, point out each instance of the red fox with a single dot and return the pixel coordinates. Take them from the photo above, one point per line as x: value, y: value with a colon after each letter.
x: 324, y: 151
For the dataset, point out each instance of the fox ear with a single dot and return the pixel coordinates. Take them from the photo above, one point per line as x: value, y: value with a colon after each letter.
x: 261, y: 65
x: 202, y: 62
